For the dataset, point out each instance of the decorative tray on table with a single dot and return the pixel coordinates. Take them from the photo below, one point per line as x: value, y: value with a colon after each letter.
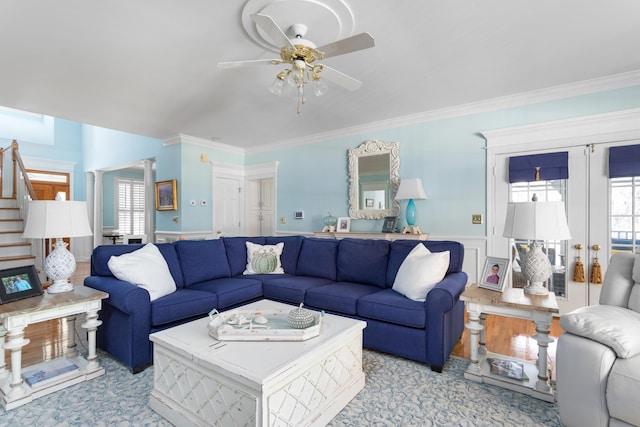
x: 264, y: 325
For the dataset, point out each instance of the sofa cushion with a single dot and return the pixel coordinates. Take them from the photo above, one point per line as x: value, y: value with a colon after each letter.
x: 363, y: 261
x: 237, y: 252
x: 610, y: 325
x: 291, y: 288
x: 291, y: 251
x: 318, y: 258
x: 146, y: 268
x: 231, y: 290
x: 623, y: 389
x: 340, y: 297
x: 101, y: 254
x: 399, y: 249
x: 264, y: 259
x: 420, y: 271
x: 389, y: 306
x: 202, y: 260
x: 182, y: 304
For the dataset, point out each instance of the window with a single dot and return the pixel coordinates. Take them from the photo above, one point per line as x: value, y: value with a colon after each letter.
x: 130, y: 206
x: 625, y: 213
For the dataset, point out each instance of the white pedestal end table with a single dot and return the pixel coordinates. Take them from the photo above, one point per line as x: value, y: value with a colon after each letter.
x: 515, y: 303
x: 200, y: 381
x: 17, y: 315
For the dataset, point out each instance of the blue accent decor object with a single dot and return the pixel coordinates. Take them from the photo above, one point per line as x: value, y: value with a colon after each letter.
x: 411, y: 213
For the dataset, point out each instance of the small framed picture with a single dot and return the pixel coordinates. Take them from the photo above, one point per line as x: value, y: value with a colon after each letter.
x: 494, y: 273
x: 18, y: 283
x: 389, y: 225
x: 167, y: 195
x: 344, y: 224
x: 369, y: 203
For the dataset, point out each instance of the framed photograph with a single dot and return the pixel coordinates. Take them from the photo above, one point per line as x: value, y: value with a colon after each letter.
x: 368, y: 203
x: 166, y: 195
x: 494, y: 273
x: 344, y: 224
x: 389, y: 225
x: 18, y: 283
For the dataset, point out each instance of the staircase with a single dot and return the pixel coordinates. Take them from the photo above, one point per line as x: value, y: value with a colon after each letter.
x: 15, y: 251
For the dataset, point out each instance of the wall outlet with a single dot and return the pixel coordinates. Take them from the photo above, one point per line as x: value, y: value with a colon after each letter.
x: 175, y: 219
x: 204, y: 157
x: 283, y: 220
x: 476, y: 219
x: 203, y: 203
x: 192, y: 202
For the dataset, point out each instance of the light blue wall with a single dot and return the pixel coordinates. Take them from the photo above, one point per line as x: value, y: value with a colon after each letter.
x: 447, y: 154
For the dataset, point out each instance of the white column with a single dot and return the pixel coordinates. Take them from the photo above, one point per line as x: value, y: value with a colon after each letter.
x: 97, y: 209
x: 149, y: 198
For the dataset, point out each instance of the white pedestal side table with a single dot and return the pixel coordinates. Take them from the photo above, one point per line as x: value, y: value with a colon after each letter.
x: 510, y: 303
x: 17, y: 315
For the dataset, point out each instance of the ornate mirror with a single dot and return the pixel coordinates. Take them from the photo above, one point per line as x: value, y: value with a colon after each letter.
x: 373, y: 180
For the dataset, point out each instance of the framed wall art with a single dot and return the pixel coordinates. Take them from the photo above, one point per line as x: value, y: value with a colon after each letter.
x: 494, y: 273
x: 389, y: 225
x: 18, y: 283
x: 167, y: 195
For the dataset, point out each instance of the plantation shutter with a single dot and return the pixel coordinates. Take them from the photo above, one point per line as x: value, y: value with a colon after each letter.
x: 130, y: 206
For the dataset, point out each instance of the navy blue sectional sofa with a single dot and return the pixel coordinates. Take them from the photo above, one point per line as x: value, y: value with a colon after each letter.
x: 348, y: 277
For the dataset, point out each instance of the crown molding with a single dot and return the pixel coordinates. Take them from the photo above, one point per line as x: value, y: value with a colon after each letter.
x: 201, y: 142
x: 570, y: 90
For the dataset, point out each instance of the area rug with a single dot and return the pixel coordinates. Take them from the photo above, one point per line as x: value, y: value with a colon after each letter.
x: 398, y: 392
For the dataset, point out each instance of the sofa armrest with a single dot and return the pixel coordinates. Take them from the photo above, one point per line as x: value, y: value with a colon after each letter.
x: 124, y: 296
x: 610, y: 325
x: 444, y: 296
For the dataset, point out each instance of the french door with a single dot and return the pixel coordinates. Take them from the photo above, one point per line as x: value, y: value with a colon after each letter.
x: 603, y: 215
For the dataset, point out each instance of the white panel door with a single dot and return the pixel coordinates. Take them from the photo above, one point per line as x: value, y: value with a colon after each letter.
x: 599, y: 213
x: 227, y: 206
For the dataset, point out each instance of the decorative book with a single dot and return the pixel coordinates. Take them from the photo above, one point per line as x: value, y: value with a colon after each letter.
x: 48, y: 372
x: 507, y: 368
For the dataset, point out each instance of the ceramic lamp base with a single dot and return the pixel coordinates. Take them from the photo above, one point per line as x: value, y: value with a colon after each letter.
x: 536, y: 268
x: 57, y: 288
x: 59, y: 266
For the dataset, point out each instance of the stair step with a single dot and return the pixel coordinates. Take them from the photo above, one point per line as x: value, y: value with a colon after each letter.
x: 8, y: 203
x: 11, y: 224
x: 14, y: 236
x: 16, y: 261
x: 15, y: 249
x: 9, y: 213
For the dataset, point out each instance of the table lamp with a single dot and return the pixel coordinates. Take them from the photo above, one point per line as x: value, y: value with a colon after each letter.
x: 536, y: 221
x: 47, y: 219
x: 411, y: 188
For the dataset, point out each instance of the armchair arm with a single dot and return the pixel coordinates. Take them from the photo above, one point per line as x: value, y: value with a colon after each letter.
x: 124, y: 296
x: 610, y: 325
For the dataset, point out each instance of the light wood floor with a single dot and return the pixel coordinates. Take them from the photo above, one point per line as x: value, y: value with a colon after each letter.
x: 511, y: 337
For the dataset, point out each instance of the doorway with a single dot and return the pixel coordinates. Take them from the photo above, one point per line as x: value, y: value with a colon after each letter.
x: 260, y: 210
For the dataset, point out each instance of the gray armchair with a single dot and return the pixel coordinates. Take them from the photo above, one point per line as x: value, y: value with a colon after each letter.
x: 598, y: 356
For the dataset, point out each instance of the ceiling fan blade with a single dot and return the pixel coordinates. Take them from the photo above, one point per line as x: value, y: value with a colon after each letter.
x: 350, y: 44
x: 339, y: 78
x: 269, y: 26
x: 250, y: 63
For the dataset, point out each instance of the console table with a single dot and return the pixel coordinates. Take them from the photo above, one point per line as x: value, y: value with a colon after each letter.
x: 365, y: 235
x: 17, y: 315
x: 515, y: 303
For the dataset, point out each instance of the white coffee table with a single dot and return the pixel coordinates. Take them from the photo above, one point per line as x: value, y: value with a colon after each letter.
x: 201, y: 381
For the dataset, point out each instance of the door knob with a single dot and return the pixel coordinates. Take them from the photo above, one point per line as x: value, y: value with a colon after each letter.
x: 595, y: 247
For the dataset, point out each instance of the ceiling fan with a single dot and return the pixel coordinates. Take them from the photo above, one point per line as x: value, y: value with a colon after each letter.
x: 304, y: 58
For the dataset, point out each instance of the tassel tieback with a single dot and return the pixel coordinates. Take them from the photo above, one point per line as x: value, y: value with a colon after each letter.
x: 578, y: 271
x: 596, y: 273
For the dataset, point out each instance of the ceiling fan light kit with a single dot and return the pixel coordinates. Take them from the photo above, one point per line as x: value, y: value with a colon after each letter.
x: 295, y: 50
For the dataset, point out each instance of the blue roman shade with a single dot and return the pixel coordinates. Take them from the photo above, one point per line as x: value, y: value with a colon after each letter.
x: 539, y: 167
x: 624, y: 161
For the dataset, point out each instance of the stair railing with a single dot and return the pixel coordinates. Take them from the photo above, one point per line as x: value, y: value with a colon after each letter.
x: 15, y: 183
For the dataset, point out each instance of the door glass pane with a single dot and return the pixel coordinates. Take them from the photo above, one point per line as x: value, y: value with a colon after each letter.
x: 546, y: 191
x: 624, y: 214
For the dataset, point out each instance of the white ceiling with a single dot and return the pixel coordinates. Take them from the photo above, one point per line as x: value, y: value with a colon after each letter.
x: 149, y: 66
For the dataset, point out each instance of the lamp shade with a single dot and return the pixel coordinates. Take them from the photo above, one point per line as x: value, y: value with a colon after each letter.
x: 55, y: 218
x: 536, y: 221
x: 411, y: 188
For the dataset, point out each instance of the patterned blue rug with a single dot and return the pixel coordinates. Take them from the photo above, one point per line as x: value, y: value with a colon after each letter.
x: 398, y: 392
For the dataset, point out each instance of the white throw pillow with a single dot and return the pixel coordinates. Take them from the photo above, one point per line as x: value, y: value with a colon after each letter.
x: 145, y: 267
x: 420, y: 271
x: 264, y: 259
x: 610, y: 325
